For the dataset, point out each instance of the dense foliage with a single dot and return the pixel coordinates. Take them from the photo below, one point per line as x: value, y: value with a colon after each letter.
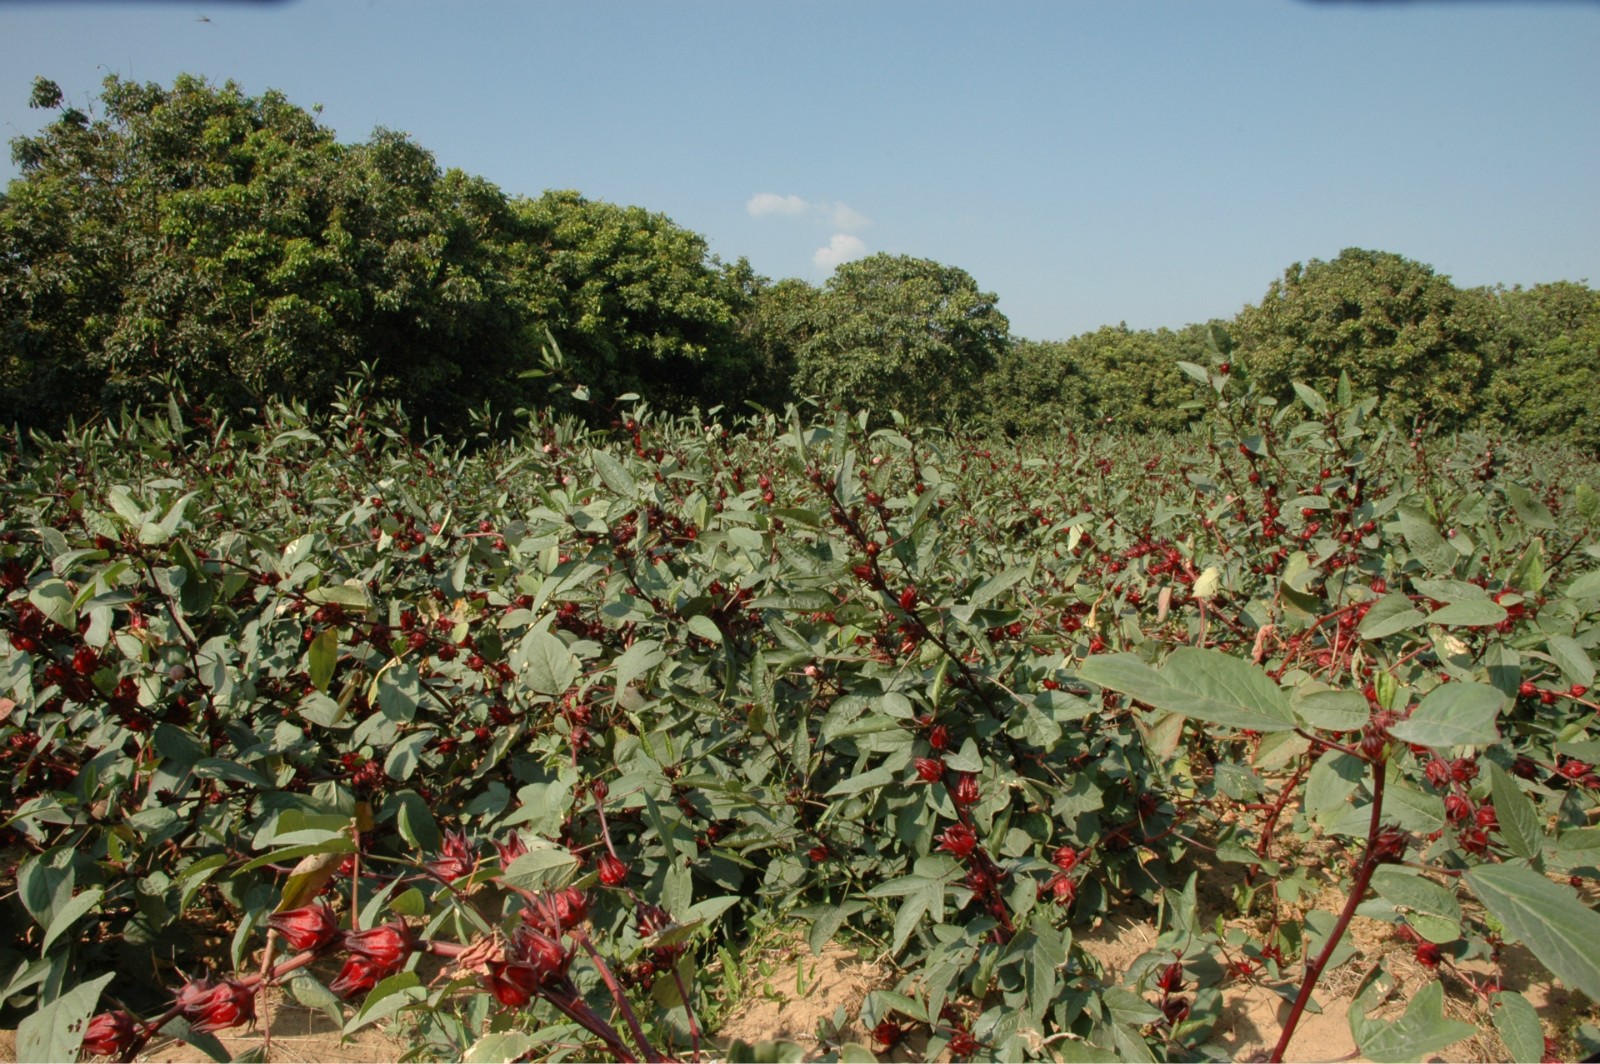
x: 519, y: 746
x: 230, y: 243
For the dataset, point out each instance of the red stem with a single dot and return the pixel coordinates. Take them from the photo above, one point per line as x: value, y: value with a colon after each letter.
x: 612, y: 985
x: 1358, y: 889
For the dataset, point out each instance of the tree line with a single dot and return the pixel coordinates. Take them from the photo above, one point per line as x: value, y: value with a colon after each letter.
x: 229, y: 243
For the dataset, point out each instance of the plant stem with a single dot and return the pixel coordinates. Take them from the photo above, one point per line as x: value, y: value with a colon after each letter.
x: 616, y: 992
x: 688, y: 1010
x: 1358, y: 889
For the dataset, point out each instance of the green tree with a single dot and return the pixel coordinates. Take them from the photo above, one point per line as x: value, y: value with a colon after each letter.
x: 1035, y: 389
x: 896, y: 332
x: 231, y: 241
x: 636, y: 302
x: 1394, y: 325
x: 1545, y: 354
x: 1114, y: 377
x: 778, y: 321
x: 1132, y: 376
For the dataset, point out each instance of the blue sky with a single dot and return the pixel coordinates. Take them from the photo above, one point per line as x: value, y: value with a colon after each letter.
x: 1149, y: 161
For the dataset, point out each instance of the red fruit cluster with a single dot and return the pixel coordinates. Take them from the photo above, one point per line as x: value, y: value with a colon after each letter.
x: 653, y: 920
x: 374, y: 954
x: 959, y: 840
x: 455, y: 860
x: 965, y: 791
x: 112, y: 1034
x: 212, y: 1006
x: 309, y: 927
x: 612, y: 871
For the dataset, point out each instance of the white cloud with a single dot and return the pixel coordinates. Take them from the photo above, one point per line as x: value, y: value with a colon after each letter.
x: 764, y: 203
x: 841, y: 216
x: 847, y: 218
x: 842, y: 247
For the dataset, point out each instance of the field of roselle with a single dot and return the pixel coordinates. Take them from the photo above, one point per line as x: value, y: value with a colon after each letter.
x: 517, y: 747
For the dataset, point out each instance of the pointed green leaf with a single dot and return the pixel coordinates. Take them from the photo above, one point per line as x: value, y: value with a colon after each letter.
x: 54, y: 599
x: 1332, y: 710
x: 1423, y: 537
x: 55, y: 1032
x: 1388, y: 616
x: 1422, y: 1030
x: 1205, y: 684
x: 1531, y: 511
x: 997, y: 584
x: 322, y: 657
x: 878, y: 777
x: 1434, y: 910
x: 1453, y: 714
x: 548, y: 666
x: 1574, y: 661
x: 614, y: 475
x: 69, y: 914
x: 386, y: 999
x: 1519, y: 821
x: 1518, y: 1024
x: 1474, y: 613
x: 640, y: 658
x: 1547, y: 917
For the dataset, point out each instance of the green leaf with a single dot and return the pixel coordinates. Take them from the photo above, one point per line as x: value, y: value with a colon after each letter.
x: 614, y: 475
x: 705, y: 628
x: 1308, y: 395
x: 405, y: 755
x: 322, y: 657
x: 548, y: 666
x: 204, y: 1041
x: 333, y: 847
x: 1333, y: 779
x: 1435, y: 911
x: 1472, y: 613
x: 386, y: 999
x: 399, y: 692
x: 997, y: 584
x: 1423, y: 537
x: 1388, y: 616
x: 1332, y: 710
x: 1422, y: 1030
x: 640, y: 658
x: 1519, y: 821
x: 341, y: 594
x: 881, y: 776
x: 69, y: 914
x: 540, y: 868
x: 55, y: 1032
x: 1548, y: 918
x: 54, y: 599
x: 1205, y: 684
x: 1514, y: 1017
x: 1453, y: 714
x: 501, y: 1046
x: 220, y: 768
x: 415, y: 821
x: 1574, y: 661
x: 1530, y: 511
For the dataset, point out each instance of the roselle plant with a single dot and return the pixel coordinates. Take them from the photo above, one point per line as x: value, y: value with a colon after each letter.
x: 516, y: 745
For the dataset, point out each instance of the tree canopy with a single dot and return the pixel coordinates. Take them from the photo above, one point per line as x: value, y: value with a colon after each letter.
x: 230, y: 240
x: 1394, y: 325
x: 231, y: 243
x: 896, y: 332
